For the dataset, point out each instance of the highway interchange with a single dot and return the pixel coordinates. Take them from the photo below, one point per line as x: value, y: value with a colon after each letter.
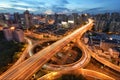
x: 28, y: 67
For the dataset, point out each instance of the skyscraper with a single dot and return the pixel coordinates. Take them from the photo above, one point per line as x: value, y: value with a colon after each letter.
x: 27, y: 19
x: 16, y: 17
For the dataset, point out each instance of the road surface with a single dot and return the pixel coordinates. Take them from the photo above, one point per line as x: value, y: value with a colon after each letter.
x: 27, y: 68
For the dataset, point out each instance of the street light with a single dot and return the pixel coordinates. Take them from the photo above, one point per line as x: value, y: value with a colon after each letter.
x: 12, y: 28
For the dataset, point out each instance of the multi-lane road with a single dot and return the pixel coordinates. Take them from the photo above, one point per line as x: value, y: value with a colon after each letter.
x: 26, y: 52
x: 88, y: 74
x: 102, y: 60
x: 82, y: 62
x: 27, y: 68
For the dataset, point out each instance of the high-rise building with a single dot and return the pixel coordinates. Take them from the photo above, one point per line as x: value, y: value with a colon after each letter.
x: 2, y: 17
x: 76, y: 18
x: 27, y: 16
x: 17, y: 17
x: 18, y: 35
x: 56, y: 18
x: 71, y: 21
x: 8, y: 34
x: 22, y: 21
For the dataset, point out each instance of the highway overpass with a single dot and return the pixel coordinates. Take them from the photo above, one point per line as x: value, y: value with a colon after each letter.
x: 27, y: 68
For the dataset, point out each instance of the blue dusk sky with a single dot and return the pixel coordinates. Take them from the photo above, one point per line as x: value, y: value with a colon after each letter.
x: 59, y: 6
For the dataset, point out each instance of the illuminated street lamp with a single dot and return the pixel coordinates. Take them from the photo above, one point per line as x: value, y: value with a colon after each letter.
x: 12, y: 28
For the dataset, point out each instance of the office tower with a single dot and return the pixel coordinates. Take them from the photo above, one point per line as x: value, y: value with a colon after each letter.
x: 17, y: 17
x: 76, y: 18
x: 27, y: 19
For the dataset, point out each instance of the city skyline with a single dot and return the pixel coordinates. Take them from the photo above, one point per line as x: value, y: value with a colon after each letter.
x: 33, y: 41
x: 59, y: 6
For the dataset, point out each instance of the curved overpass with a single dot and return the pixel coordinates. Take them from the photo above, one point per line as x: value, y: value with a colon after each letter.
x: 27, y: 68
x: 103, y: 61
x: 99, y: 59
x: 85, y: 72
x: 25, y: 53
x: 82, y: 62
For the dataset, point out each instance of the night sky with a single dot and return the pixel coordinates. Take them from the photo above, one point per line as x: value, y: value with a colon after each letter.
x: 59, y: 6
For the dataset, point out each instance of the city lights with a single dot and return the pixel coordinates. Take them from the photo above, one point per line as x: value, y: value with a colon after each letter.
x: 59, y: 39
x: 12, y: 28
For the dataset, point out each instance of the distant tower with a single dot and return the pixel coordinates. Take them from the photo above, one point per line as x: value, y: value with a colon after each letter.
x: 56, y: 18
x: 16, y: 17
x: 2, y: 17
x: 76, y: 18
x: 27, y: 19
x: 71, y: 19
x: 8, y: 34
x: 46, y: 19
x: 19, y: 35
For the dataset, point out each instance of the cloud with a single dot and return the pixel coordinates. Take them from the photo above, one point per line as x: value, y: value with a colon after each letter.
x: 41, y: 3
x: 2, y: 8
x: 22, y: 4
x: 95, y: 10
x: 60, y: 9
x: 41, y: 6
x: 5, y: 5
x: 32, y: 2
x: 16, y: 6
x: 98, y: 8
x: 45, y: 6
x: 13, y: 1
x: 64, y: 2
x: 49, y: 11
x: 23, y: 9
x: 61, y: 3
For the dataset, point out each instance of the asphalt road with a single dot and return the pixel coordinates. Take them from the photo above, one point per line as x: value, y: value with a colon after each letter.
x: 27, y: 68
